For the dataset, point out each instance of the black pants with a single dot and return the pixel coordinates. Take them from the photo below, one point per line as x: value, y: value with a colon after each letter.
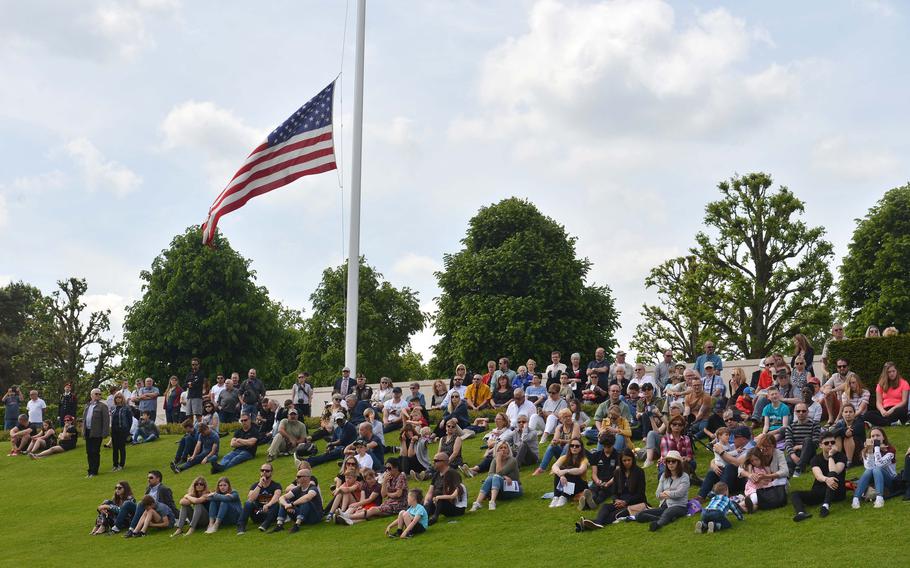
x: 303, y: 409
x: 93, y: 452
x: 118, y: 444
x: 601, y: 494
x: 663, y: 515
x: 320, y: 434
x: 874, y: 417
x: 607, y: 514
x: 820, y: 493
x: 805, y: 455
x: 446, y: 508
x: 254, y: 511
x: 772, y: 497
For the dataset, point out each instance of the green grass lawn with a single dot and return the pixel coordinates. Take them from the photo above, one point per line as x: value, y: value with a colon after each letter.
x: 47, y: 509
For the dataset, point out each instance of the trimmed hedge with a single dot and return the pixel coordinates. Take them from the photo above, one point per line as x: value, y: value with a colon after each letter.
x: 868, y: 356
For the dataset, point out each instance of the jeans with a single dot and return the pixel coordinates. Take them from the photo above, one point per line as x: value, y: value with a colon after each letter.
x: 250, y: 409
x: 227, y: 417
x: 185, y: 447
x: 118, y: 444
x: 496, y: 482
x: 591, y: 433
x: 10, y: 423
x: 252, y: 510
x: 333, y: 454
x: 552, y: 452
x: 226, y: 512
x: 235, y: 457
x: 663, y: 515
x: 126, y: 516
x: 139, y: 438
x: 196, y: 461
x: 728, y: 476
x: 817, y: 495
x: 881, y: 477
x: 719, y: 518
x: 805, y: 455
x: 307, y: 513
x: 170, y: 415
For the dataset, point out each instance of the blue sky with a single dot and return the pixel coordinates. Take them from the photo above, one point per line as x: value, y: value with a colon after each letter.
x: 121, y: 121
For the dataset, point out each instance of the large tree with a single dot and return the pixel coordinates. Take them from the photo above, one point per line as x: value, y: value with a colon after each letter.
x: 387, y: 317
x: 61, y: 339
x: 765, y: 271
x: 18, y: 301
x: 517, y: 289
x: 678, y: 321
x: 875, y: 283
x: 204, y: 302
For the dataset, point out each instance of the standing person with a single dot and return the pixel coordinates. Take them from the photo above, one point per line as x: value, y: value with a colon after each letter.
x: 343, y: 385
x: 663, y: 370
x: 446, y: 495
x: 708, y: 355
x: 829, y: 470
x: 672, y: 493
x: 620, y: 363
x: 890, y: 398
x: 216, y: 389
x: 554, y: 370
x: 302, y: 395
x: 251, y: 392
x: 195, y: 381
x: 172, y: 400
x: 802, y: 348
x: 575, y: 374
x: 96, y: 427
x: 11, y: 402
x: 601, y: 367
x: 147, y: 399
x: 879, y: 460
x: 35, y: 408
x: 67, y: 404
x: 837, y: 334
x: 229, y: 401
x: 121, y: 422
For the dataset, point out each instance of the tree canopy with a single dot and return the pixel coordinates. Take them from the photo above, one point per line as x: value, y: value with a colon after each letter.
x: 759, y: 276
x: 387, y: 318
x: 875, y: 284
x: 204, y: 302
x: 517, y: 289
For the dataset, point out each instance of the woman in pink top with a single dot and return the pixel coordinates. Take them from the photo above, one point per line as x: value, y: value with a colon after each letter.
x: 890, y: 398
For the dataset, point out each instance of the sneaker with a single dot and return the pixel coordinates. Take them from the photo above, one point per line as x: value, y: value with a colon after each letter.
x: 750, y: 506
x: 579, y: 527
x: 115, y: 529
x: 338, y: 519
x: 648, y: 463
x: 129, y: 534
x: 491, y: 506
x: 589, y: 499
x: 583, y: 500
x: 699, y: 527
x: 210, y: 530
x: 824, y: 511
x: 796, y: 473
x: 413, y: 475
x: 589, y: 524
x: 897, y: 423
x: 330, y: 518
x: 278, y: 527
x: 553, y: 502
x: 241, y: 531
x: 294, y: 528
x: 347, y: 520
x: 711, y: 526
x: 801, y: 516
x: 879, y: 502
x: 262, y: 528
x: 561, y: 501
x: 475, y: 507
x: 855, y: 503
x: 173, y: 468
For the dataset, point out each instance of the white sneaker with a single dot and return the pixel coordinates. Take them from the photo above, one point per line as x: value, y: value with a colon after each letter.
x: 648, y: 463
x: 855, y: 503
x: 492, y: 506
x: 879, y: 502
x: 561, y: 501
x: 476, y: 506
x: 553, y: 502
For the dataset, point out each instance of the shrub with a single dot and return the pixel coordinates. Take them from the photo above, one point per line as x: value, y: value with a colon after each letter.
x: 868, y: 356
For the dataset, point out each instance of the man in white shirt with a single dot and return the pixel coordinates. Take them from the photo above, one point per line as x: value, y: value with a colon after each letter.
x: 521, y: 405
x: 216, y: 390
x: 458, y: 387
x: 35, y: 408
x: 391, y: 411
x: 555, y: 370
x: 712, y: 382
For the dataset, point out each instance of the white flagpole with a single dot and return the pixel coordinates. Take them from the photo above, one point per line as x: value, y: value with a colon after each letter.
x: 353, y: 298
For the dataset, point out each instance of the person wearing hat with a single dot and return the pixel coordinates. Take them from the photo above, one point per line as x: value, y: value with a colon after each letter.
x: 67, y: 404
x: 733, y: 456
x: 672, y: 493
x: 713, y: 383
x: 620, y: 363
x: 344, y: 384
x: 790, y: 394
x: 744, y: 403
x: 362, y: 389
x: 291, y: 433
x: 708, y: 355
x: 343, y: 435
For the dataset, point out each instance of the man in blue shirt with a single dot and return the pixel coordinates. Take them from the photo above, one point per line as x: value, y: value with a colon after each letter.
x: 708, y: 355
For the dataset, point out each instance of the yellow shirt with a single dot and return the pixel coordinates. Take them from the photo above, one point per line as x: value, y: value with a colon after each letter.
x: 478, y: 394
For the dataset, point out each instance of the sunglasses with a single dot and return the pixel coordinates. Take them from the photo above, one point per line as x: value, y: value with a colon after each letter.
x: 244, y: 420
x: 574, y: 445
x: 265, y: 470
x: 841, y: 366
x: 387, y: 468
x: 801, y: 411
x: 118, y: 488
x: 151, y: 477
x: 301, y: 476
x: 828, y: 443
x: 522, y: 421
x: 439, y: 460
x: 199, y: 484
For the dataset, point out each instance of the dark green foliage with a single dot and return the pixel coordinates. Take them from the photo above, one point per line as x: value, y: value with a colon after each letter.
x: 517, y: 289
x: 868, y: 356
x: 875, y: 275
x: 203, y: 302
x: 387, y: 318
x: 17, y: 305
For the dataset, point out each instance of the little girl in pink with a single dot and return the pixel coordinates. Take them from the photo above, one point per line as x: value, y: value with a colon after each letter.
x: 752, y: 466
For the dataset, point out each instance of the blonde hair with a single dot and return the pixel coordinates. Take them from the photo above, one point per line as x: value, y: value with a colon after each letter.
x: 890, y: 331
x: 456, y: 427
x: 192, y: 488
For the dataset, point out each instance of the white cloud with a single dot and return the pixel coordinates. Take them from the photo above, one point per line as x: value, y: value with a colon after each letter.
x: 114, y: 302
x: 3, y: 211
x: 852, y: 159
x: 880, y: 8
x: 38, y: 183
x: 399, y: 131
x: 99, y: 172
x: 414, y: 265
x: 218, y: 134
x: 97, y: 29
x: 5, y: 278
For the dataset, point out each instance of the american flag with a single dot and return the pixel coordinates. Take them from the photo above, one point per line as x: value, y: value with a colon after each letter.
x: 300, y: 146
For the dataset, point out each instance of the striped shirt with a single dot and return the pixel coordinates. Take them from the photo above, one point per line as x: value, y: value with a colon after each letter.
x: 797, y: 432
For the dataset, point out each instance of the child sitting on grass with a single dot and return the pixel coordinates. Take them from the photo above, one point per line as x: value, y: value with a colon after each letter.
x: 757, y: 477
x: 714, y: 515
x: 411, y: 521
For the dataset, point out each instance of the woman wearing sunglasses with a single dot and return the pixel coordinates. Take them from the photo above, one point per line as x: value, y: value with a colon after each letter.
x: 194, y: 508
x: 110, y: 508
x: 569, y: 474
x: 672, y: 492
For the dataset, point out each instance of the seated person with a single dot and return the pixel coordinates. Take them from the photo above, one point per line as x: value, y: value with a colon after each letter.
x: 850, y: 432
x: 291, y: 433
x: 243, y: 445
x: 569, y: 474
x: 205, y: 451
x: 46, y: 438
x: 147, y: 431
x: 66, y: 441
x: 603, y: 465
x: 393, y: 491
x: 110, y: 508
x: 301, y: 502
x: 370, y: 498
x: 345, y: 493
x: 412, y: 520
x: 446, y: 494
x: 261, y: 501
x: 187, y: 443
x: 829, y: 472
x: 20, y: 435
x: 224, y: 506
x: 342, y: 436
x: 152, y: 515
x: 629, y: 491
x: 194, y: 508
x: 503, y: 479
x: 478, y: 395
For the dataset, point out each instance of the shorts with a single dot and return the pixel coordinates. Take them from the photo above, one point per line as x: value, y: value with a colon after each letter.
x: 369, y: 506
x: 35, y: 426
x: 418, y: 529
x: 194, y: 406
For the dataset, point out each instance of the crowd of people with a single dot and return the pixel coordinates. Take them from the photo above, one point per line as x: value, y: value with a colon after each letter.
x: 758, y: 434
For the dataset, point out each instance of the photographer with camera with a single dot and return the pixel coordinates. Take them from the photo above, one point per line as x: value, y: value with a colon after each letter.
x: 12, y: 400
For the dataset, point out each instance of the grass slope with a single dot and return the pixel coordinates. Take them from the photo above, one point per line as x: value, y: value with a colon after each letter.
x: 47, y: 509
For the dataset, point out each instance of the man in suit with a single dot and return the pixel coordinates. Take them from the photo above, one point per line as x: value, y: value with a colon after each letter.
x: 344, y: 385
x: 96, y: 427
